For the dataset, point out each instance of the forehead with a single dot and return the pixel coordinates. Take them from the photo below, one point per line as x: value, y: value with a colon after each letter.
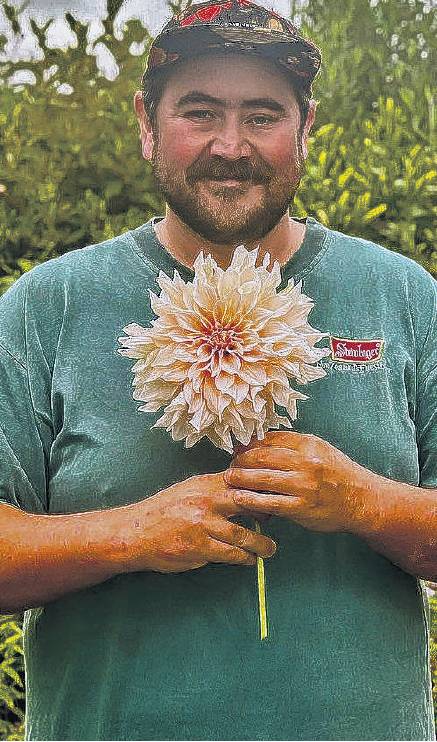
x: 230, y: 76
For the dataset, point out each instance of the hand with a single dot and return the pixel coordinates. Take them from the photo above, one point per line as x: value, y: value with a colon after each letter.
x: 186, y: 526
x: 319, y: 486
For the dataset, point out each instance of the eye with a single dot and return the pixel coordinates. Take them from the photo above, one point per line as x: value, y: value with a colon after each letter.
x: 262, y: 119
x: 202, y: 114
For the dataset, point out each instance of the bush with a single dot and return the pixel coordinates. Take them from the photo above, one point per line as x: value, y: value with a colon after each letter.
x: 11, y: 678
x: 72, y: 173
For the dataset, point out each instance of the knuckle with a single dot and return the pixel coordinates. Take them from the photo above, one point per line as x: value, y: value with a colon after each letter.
x: 313, y: 484
x: 239, y: 535
x: 241, y: 557
x: 312, y: 444
x: 316, y: 459
x: 175, y: 549
x: 197, y: 515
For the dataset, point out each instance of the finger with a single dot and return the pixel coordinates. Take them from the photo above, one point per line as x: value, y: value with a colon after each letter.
x: 281, y: 459
x: 282, y: 439
x: 243, y: 538
x: 274, y: 504
x: 224, y: 503
x: 220, y: 552
x: 265, y: 480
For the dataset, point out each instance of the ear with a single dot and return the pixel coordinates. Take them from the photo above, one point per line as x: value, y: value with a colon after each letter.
x: 146, y: 133
x: 311, y: 115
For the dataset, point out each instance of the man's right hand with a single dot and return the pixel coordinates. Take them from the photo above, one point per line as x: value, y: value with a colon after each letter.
x: 186, y: 526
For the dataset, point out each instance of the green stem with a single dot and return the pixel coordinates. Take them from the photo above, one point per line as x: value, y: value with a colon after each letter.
x: 261, y: 592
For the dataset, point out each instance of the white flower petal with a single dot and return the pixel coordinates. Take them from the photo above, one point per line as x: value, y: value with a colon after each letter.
x: 253, y: 374
x: 223, y: 350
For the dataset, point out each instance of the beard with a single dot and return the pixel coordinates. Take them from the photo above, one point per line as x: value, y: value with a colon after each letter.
x: 223, y: 214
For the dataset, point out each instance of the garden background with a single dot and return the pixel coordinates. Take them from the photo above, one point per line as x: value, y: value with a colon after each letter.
x: 71, y: 172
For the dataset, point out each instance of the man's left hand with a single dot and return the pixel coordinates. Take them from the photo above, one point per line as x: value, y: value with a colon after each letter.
x: 313, y: 483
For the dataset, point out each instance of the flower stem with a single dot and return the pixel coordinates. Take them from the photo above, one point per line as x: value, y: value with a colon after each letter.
x: 261, y: 591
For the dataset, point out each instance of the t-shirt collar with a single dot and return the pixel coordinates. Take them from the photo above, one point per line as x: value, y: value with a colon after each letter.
x: 300, y: 263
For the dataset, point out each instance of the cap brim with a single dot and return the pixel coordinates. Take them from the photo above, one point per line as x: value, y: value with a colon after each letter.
x: 298, y: 56
x: 185, y: 40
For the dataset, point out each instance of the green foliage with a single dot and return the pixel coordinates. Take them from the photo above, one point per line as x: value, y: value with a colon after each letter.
x: 11, y: 678
x: 71, y: 170
x: 372, y: 169
x: 178, y: 6
x: 433, y: 646
x: 71, y: 167
x: 381, y: 186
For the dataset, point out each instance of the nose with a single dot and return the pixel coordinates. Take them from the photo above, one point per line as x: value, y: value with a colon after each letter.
x: 229, y: 141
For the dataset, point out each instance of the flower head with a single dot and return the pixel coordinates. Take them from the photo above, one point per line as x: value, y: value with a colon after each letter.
x: 222, y: 351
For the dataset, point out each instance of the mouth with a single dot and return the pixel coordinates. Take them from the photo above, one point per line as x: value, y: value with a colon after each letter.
x: 229, y: 182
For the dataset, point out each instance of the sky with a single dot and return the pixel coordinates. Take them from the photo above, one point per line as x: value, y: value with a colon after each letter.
x: 153, y: 13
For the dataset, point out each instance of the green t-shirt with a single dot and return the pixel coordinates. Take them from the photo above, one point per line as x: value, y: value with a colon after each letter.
x: 178, y: 656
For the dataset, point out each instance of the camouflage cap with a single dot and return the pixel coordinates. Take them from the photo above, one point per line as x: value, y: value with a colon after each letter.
x: 238, y: 25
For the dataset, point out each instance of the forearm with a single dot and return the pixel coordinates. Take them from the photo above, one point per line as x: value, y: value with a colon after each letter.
x: 43, y: 557
x: 399, y: 521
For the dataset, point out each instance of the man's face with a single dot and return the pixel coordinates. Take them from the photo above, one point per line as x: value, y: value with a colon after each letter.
x: 226, y: 154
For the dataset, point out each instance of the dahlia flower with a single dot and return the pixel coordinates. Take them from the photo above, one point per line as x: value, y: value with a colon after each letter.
x: 223, y: 350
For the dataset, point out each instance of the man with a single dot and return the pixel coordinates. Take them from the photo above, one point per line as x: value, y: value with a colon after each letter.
x: 127, y: 549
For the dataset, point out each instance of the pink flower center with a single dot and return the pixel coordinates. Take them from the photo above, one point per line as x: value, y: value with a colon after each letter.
x: 221, y: 339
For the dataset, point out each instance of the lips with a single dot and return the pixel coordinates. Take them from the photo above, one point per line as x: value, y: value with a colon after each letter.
x: 229, y: 183
x: 228, y: 180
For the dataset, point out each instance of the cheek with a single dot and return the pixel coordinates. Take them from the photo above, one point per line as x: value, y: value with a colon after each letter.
x: 179, y: 145
x: 280, y: 151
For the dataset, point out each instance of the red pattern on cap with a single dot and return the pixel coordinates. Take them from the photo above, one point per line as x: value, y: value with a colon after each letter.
x: 206, y: 14
x: 211, y: 12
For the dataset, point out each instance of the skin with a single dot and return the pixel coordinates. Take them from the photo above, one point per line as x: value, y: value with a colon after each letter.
x: 188, y: 527
x: 305, y: 479
x: 180, y: 528
x: 194, y: 142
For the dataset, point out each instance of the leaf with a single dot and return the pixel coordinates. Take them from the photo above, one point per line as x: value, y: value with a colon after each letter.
x: 375, y: 212
x: 323, y: 130
x: 12, y: 674
x: 112, y: 8
x: 344, y: 177
x: 426, y: 177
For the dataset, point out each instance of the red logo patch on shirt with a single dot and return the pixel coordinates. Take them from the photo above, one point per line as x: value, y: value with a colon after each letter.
x: 356, y: 351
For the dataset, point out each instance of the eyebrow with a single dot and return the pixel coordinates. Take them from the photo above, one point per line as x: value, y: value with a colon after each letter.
x: 196, y: 96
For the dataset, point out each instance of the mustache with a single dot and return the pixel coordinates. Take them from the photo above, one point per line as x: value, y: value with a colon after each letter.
x: 216, y: 168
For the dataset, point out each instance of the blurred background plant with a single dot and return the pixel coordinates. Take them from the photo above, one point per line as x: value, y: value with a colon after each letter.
x: 71, y: 171
x: 12, y: 697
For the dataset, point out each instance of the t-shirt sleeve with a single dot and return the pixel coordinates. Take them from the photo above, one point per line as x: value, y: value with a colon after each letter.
x: 24, y: 406
x: 426, y: 389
